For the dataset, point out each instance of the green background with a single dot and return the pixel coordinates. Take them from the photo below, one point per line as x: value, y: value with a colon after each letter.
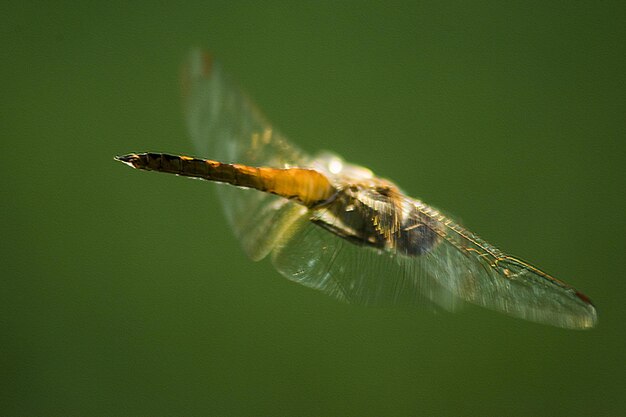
x: 125, y: 294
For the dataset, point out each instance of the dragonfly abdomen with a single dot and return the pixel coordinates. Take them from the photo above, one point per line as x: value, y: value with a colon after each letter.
x: 306, y: 186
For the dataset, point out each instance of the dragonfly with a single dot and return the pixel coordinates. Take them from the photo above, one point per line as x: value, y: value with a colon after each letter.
x: 336, y: 227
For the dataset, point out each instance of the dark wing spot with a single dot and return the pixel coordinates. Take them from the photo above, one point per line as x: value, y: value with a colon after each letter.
x: 584, y: 298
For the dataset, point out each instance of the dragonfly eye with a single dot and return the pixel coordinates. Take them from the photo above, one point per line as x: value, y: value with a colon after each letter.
x: 416, y: 237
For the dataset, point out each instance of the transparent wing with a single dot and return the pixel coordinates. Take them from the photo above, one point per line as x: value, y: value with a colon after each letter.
x: 312, y: 256
x: 460, y: 267
x: 477, y: 272
x: 226, y: 126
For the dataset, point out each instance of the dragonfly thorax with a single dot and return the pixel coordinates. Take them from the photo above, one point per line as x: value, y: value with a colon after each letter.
x: 373, y: 213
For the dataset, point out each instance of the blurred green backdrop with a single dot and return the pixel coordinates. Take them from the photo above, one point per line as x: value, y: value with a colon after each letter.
x: 124, y: 293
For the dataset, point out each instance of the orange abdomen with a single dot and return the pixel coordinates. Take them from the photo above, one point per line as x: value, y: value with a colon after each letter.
x: 306, y: 186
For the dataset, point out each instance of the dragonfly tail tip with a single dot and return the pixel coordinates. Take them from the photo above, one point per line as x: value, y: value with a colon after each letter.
x: 129, y: 159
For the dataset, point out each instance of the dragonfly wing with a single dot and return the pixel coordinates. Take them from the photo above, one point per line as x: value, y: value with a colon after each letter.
x: 461, y: 267
x: 226, y: 126
x: 314, y: 257
x: 477, y: 272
